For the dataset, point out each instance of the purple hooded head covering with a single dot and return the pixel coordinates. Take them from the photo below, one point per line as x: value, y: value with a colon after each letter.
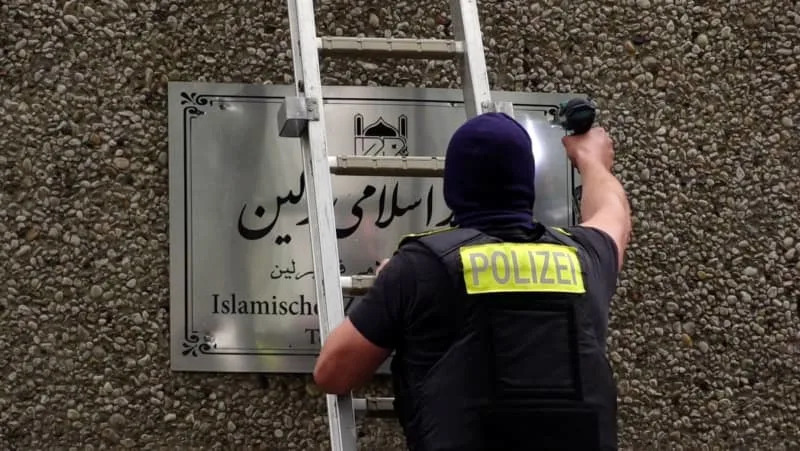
x: 489, y: 173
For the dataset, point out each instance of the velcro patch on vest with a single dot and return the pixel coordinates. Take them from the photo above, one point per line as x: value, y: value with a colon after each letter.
x: 522, y: 267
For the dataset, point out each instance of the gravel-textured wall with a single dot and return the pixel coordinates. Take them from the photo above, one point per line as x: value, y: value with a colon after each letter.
x: 701, y: 96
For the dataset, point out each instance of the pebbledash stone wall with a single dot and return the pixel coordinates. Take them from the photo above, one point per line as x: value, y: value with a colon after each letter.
x: 700, y: 96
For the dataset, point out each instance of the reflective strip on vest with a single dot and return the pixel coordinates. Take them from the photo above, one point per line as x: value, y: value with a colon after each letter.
x: 521, y: 267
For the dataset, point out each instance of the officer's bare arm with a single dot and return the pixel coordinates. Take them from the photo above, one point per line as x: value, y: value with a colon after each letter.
x: 604, y: 204
x: 347, y: 360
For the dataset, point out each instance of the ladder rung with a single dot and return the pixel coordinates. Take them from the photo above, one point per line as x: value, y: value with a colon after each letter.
x: 374, y: 407
x: 387, y: 166
x: 356, y: 285
x: 390, y: 47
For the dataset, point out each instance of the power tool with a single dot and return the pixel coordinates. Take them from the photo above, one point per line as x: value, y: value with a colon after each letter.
x: 577, y: 115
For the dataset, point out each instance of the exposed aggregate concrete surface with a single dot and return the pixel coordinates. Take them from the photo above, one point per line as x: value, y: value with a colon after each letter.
x: 700, y: 96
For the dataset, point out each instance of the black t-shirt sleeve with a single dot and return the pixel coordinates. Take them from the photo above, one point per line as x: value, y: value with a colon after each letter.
x: 379, y: 315
x: 602, y: 252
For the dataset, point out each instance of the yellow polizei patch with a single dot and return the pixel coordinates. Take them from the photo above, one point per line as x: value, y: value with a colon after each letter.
x: 520, y: 267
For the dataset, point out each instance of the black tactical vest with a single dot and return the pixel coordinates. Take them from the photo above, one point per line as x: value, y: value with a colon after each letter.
x: 526, y: 371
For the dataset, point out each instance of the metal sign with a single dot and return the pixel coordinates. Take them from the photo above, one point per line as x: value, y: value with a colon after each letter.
x: 242, y: 289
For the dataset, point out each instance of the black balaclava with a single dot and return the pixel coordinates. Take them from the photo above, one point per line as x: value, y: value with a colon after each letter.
x: 489, y: 174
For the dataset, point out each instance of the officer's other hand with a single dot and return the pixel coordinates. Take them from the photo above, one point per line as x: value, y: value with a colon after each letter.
x: 590, y: 148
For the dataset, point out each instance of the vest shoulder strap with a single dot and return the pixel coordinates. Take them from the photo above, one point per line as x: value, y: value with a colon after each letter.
x: 562, y: 236
x: 444, y: 242
x: 405, y: 239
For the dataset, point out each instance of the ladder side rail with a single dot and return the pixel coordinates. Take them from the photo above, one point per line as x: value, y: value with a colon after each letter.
x: 474, y: 75
x: 324, y: 246
x: 294, y: 31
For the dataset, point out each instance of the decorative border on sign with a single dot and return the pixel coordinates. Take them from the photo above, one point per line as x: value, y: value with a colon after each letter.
x: 195, y: 343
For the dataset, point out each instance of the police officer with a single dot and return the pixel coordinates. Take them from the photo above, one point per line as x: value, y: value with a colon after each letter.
x: 498, y: 323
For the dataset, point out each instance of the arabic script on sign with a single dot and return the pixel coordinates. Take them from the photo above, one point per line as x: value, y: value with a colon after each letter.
x: 388, y: 210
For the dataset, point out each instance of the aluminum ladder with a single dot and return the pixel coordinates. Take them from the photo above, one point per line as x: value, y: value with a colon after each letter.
x: 302, y: 116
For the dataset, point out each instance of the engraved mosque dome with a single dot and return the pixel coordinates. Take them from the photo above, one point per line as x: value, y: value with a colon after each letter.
x: 380, y: 128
